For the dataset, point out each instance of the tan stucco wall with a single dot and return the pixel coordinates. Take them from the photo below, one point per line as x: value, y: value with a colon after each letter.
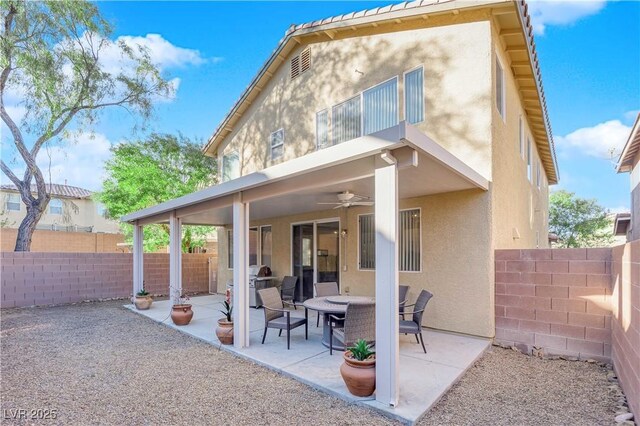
x: 457, y: 74
x: 456, y: 263
x: 517, y: 202
x: 83, y: 214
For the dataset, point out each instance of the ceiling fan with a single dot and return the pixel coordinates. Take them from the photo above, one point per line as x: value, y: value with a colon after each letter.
x: 349, y: 199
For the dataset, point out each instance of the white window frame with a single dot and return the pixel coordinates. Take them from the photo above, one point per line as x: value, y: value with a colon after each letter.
x: 404, y: 97
x: 271, y: 145
x: 257, y: 228
x: 521, y: 137
x: 420, y: 269
x: 329, y: 141
x: 51, y: 206
x: 8, y: 201
x: 260, y: 244
x: 502, y: 111
x: 395, y: 77
x: 359, y: 96
x: 529, y: 165
x: 315, y: 245
x: 227, y: 155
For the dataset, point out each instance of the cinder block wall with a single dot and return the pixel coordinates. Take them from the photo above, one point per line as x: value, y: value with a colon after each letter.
x: 576, y: 302
x: 558, y: 300
x: 68, y: 242
x: 51, y: 278
x: 625, y: 304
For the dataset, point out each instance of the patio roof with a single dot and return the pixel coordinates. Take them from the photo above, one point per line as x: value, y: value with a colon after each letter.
x: 297, y: 186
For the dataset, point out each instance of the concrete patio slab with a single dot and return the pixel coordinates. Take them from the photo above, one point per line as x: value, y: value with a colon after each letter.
x: 424, y: 378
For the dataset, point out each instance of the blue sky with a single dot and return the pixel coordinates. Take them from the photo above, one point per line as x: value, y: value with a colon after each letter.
x: 589, y: 53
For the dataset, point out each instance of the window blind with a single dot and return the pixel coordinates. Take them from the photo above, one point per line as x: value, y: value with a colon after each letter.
x: 414, y: 95
x: 380, y: 106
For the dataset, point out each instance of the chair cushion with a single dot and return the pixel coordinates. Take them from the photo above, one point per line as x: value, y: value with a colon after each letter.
x: 281, y: 323
x: 409, y: 327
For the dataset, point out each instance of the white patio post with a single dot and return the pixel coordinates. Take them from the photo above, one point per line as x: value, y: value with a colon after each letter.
x: 387, y: 322
x: 138, y: 259
x: 175, y: 257
x: 240, y: 272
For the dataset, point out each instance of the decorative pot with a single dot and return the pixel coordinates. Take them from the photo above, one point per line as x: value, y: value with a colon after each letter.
x: 359, y: 376
x: 224, y: 331
x: 143, y: 302
x: 181, y: 314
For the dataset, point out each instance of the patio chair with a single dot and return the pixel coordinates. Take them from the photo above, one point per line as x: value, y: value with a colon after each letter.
x: 288, y: 289
x: 323, y: 290
x: 359, y: 323
x: 403, y: 291
x: 415, y: 325
x: 275, y: 316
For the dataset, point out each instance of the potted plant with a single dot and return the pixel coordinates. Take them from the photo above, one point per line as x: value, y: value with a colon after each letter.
x: 359, y: 369
x: 181, y: 312
x: 143, y: 300
x: 224, y: 331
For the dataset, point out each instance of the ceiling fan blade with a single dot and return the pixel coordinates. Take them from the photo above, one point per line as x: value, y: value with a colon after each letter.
x: 331, y: 204
x: 362, y: 203
x: 339, y: 206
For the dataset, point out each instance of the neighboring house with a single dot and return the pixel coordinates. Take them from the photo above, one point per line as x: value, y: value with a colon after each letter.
x: 432, y: 115
x: 71, y: 211
x: 629, y: 224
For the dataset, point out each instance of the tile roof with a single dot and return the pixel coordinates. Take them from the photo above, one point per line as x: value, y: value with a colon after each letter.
x: 57, y: 190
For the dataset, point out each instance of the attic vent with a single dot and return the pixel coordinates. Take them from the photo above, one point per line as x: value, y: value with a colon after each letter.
x: 305, y: 58
x: 295, y: 67
x: 300, y: 63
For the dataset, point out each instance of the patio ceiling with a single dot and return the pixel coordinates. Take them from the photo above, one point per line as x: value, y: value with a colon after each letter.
x: 298, y: 186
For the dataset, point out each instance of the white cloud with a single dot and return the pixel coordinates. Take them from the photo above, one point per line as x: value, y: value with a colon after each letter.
x: 163, y: 53
x: 561, y: 12
x: 597, y: 141
x: 632, y: 115
x: 79, y: 160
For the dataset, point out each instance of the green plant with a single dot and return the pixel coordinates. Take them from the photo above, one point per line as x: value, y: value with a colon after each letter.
x: 142, y: 293
x: 228, y: 309
x: 361, y: 350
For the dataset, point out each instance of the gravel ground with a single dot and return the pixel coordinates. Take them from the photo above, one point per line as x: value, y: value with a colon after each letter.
x: 98, y: 363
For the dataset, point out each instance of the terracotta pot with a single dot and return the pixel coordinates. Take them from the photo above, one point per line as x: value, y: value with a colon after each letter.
x: 224, y: 331
x: 181, y: 314
x: 143, y: 302
x: 359, y: 376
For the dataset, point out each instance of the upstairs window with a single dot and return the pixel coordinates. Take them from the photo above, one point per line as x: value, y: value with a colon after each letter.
x: 521, y: 137
x: 101, y: 210
x: 322, y: 129
x: 414, y: 96
x: 13, y: 202
x: 500, y: 89
x: 276, y: 141
x: 346, y: 119
x: 380, y: 105
x: 538, y: 175
x: 529, y: 159
x: 55, y: 206
x: 230, y: 166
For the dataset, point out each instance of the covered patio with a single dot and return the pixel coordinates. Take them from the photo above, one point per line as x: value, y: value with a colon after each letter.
x: 393, y: 164
x: 423, y: 378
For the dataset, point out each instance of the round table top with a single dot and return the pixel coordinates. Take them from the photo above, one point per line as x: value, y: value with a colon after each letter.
x: 321, y: 304
x: 343, y: 300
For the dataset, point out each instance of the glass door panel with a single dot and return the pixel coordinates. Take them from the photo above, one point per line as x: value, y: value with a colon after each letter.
x: 328, y: 253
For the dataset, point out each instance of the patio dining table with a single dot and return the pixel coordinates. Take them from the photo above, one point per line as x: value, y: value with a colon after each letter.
x: 333, y: 305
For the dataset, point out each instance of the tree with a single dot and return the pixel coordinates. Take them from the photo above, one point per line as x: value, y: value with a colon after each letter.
x: 52, y: 58
x: 578, y: 222
x: 151, y: 171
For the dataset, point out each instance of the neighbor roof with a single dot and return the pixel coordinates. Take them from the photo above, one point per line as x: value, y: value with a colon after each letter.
x: 417, y: 9
x: 57, y: 190
x: 625, y: 164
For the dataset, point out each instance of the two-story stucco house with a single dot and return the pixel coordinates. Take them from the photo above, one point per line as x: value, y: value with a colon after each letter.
x: 628, y: 224
x: 399, y: 145
x: 70, y: 215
